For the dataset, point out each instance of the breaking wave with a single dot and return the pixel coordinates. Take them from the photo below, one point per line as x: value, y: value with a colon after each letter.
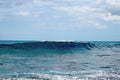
x: 59, y: 45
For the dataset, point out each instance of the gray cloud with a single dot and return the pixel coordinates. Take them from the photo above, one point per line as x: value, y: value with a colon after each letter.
x: 13, y: 3
x: 9, y: 7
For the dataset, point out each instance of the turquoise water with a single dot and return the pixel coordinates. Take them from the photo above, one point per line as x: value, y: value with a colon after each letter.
x: 27, y: 60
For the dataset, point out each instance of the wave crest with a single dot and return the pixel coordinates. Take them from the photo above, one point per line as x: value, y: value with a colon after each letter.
x: 59, y: 45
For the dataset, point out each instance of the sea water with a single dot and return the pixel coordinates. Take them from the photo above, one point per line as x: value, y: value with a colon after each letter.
x: 30, y: 60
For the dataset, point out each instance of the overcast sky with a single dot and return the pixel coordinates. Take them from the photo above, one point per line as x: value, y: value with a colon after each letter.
x: 77, y: 20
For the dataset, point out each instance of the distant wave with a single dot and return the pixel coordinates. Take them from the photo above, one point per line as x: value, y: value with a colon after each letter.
x: 59, y: 45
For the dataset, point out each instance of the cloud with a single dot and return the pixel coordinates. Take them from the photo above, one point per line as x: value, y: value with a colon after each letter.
x: 79, y: 10
x: 22, y: 14
x: 100, y: 11
x: 113, y: 2
x: 10, y: 7
x: 28, y: 13
x: 84, y: 14
x: 100, y: 26
x: 84, y: 11
x: 13, y: 3
x: 111, y: 17
x: 42, y: 3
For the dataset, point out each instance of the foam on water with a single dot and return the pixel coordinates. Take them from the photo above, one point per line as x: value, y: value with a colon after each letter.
x: 91, y: 75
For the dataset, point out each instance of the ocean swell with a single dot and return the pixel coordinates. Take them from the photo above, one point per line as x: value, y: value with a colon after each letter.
x: 48, y: 45
x: 58, y: 45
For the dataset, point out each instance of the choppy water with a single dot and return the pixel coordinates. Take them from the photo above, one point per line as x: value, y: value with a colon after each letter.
x: 59, y: 60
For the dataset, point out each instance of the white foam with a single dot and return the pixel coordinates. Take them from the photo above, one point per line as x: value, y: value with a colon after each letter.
x: 90, y: 75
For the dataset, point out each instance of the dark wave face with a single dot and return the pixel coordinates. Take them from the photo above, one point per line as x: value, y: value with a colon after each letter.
x: 48, y: 45
x: 30, y: 60
x: 59, y: 45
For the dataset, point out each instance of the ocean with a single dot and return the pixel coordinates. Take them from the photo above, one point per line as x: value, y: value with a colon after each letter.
x: 34, y: 60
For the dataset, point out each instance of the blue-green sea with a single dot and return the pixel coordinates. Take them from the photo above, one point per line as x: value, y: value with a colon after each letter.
x: 55, y: 60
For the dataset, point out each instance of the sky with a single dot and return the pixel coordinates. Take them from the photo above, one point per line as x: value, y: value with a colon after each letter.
x: 60, y: 20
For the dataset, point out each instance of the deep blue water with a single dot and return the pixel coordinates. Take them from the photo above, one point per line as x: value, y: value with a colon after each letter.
x: 33, y: 60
